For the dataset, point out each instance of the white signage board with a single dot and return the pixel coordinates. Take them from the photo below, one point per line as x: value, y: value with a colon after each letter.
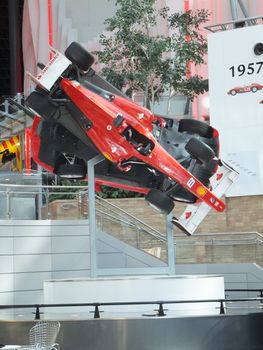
x: 236, y: 104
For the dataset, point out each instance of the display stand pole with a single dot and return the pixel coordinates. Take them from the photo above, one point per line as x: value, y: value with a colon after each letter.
x: 233, y: 6
x: 92, y: 213
x: 94, y: 271
x: 170, y: 245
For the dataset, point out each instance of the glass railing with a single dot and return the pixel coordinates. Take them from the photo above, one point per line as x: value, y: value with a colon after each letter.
x: 243, y: 247
x: 42, y: 202
x: 39, y: 202
x: 13, y: 120
x: 172, y: 106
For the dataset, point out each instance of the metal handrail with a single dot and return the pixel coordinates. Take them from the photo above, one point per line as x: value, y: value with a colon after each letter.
x: 246, y: 290
x: 122, y: 214
x: 132, y: 224
x: 161, y: 303
x: 15, y: 121
x: 217, y: 236
x: 231, y: 24
x: 212, y: 242
x: 225, y: 233
x: 40, y: 186
x: 126, y: 218
x: 158, y: 233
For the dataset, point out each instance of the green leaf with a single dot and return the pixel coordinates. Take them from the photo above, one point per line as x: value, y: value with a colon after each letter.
x: 136, y: 58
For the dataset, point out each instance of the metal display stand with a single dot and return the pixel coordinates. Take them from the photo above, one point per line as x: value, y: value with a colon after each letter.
x: 92, y: 213
x: 170, y: 245
x: 94, y: 270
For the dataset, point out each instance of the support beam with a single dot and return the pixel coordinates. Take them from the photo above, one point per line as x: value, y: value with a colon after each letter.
x: 243, y: 8
x: 170, y: 246
x: 92, y: 214
x: 233, y: 7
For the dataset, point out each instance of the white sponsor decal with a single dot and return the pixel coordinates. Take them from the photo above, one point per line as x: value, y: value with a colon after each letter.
x: 190, y: 183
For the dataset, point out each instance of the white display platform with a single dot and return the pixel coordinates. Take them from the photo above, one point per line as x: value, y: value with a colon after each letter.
x: 132, y: 289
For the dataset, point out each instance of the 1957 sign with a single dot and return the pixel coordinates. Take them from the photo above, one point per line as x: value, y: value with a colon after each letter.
x: 249, y: 69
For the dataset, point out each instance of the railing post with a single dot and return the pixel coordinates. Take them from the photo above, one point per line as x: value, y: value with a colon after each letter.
x: 137, y: 238
x: 222, y: 309
x: 160, y: 310
x: 37, y: 313
x: 39, y: 196
x: 49, y: 216
x: 8, y: 205
x: 96, y: 311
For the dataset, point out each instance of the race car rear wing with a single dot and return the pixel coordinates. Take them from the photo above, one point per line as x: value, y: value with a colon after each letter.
x: 195, y: 214
x: 52, y: 71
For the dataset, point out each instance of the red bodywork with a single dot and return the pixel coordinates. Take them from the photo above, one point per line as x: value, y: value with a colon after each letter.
x: 35, y: 143
x: 79, y: 116
x: 110, y: 142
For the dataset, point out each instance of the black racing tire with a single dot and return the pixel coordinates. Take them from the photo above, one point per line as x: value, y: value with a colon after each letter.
x: 213, y: 143
x: 199, y: 150
x: 233, y: 92
x: 160, y: 201
x: 79, y: 56
x: 182, y: 195
x: 195, y: 127
x: 254, y: 89
x: 202, y: 173
x: 71, y: 171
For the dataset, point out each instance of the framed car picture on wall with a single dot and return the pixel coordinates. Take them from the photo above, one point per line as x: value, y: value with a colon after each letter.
x: 236, y: 109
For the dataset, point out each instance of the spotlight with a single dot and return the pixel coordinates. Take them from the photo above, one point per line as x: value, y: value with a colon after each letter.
x: 258, y: 49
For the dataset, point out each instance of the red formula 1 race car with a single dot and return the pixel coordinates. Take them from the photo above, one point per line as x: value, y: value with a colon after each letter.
x: 79, y: 115
x: 254, y: 87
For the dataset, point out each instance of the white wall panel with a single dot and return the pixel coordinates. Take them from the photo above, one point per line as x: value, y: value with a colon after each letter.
x: 29, y: 297
x: 132, y: 262
x: 6, y: 245
x: 29, y: 280
x: 6, y: 230
x: 69, y: 262
x: 27, y: 263
x: 70, y: 274
x: 31, y: 229
x: 103, y: 247
x: 6, y: 283
x: 70, y: 228
x: 6, y: 264
x: 34, y: 251
x: 6, y: 298
x: 70, y: 244
x: 32, y: 245
x: 113, y: 260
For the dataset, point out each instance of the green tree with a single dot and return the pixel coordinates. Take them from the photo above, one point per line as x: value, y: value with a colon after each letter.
x: 66, y: 192
x: 110, y: 192
x: 136, y: 59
